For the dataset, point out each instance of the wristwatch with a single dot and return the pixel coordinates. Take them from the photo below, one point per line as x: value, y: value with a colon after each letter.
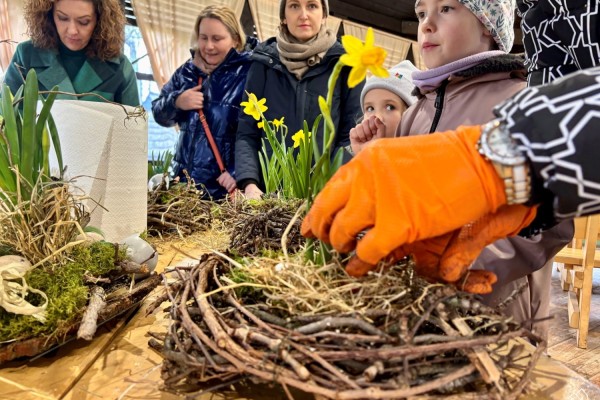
x: 498, y: 146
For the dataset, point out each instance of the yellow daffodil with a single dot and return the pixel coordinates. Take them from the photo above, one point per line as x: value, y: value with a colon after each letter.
x: 261, y: 124
x: 278, y: 122
x: 362, y: 57
x: 297, y: 137
x: 250, y: 106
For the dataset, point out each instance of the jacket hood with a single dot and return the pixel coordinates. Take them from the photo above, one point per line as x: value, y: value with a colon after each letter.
x: 506, y: 63
x: 251, y: 43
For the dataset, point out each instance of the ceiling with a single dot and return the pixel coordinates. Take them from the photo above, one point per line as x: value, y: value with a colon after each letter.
x: 393, y: 16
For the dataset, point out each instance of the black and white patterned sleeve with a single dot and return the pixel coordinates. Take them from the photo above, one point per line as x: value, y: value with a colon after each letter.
x: 560, y: 37
x: 558, y: 127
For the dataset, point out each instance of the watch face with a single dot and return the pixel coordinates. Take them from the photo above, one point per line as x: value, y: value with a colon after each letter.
x: 500, y: 144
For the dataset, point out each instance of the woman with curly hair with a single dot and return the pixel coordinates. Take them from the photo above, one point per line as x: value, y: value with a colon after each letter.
x: 76, y: 44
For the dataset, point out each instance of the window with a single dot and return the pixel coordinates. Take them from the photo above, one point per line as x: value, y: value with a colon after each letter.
x: 160, y: 139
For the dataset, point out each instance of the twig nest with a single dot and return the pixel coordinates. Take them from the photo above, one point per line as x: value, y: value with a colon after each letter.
x: 140, y: 251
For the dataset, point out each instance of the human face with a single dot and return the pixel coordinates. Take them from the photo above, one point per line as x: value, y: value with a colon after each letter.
x: 304, y: 18
x: 75, y: 21
x: 386, y: 106
x: 214, y: 41
x: 449, y: 31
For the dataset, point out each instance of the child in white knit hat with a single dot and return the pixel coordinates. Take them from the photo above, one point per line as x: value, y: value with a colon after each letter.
x: 383, y: 101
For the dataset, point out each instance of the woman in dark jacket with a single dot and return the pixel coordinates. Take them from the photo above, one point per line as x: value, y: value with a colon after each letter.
x: 212, y: 81
x: 291, y: 71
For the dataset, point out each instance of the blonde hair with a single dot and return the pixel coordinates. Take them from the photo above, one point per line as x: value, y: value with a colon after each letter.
x: 228, y: 18
x: 108, y: 36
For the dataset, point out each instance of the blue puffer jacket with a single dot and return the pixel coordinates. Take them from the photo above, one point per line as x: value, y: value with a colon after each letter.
x: 222, y: 91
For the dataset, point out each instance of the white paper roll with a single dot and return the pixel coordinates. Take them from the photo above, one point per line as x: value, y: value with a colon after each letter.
x: 107, y: 155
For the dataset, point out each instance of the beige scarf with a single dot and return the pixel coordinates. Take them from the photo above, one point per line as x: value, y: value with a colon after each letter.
x: 202, y: 64
x: 297, y: 56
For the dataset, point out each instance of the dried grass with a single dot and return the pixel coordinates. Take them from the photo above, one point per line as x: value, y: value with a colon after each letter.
x: 304, y: 288
x: 178, y: 210
x: 44, y: 227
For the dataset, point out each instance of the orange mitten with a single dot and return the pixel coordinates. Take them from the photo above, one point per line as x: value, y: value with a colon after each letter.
x: 446, y: 258
x: 472, y: 238
x: 477, y: 282
x: 405, y: 190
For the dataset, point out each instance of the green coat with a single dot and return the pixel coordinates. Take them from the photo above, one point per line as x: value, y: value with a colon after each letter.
x: 113, y: 79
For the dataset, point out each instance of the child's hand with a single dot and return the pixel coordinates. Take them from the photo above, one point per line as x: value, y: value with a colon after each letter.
x: 366, y: 131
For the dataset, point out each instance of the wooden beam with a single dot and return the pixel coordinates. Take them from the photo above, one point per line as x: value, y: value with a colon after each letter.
x: 367, y: 17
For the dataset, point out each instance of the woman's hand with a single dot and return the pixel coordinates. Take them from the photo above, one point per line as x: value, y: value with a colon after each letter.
x: 253, y: 192
x: 227, y: 181
x: 191, y: 99
x: 366, y: 131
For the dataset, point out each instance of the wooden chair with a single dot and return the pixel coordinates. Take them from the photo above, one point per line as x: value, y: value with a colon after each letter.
x: 579, y: 260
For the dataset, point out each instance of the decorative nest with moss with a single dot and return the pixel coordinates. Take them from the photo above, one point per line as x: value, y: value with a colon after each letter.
x: 56, y: 284
x: 389, y: 335
x: 83, y: 292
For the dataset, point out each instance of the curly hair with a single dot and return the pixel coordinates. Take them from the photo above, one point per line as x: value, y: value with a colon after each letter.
x: 227, y: 16
x: 108, y: 36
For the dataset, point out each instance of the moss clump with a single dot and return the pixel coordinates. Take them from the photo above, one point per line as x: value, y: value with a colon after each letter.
x: 249, y: 294
x: 67, y: 293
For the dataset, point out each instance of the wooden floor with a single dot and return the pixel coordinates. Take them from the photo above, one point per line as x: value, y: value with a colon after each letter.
x: 561, y: 340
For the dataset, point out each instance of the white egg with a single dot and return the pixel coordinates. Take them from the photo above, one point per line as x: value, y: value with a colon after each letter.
x: 140, y: 251
x: 156, y: 180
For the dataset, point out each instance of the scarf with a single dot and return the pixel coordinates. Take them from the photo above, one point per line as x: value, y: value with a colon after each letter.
x: 431, y: 79
x: 202, y: 64
x: 297, y: 56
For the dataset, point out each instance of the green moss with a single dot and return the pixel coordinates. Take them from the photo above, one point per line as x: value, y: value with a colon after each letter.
x: 272, y: 254
x: 65, y: 288
x: 249, y: 294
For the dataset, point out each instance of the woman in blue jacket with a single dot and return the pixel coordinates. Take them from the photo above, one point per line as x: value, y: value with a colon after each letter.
x: 221, y: 65
x: 291, y: 71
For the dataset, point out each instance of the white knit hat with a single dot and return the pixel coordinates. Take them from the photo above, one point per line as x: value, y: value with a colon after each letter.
x: 498, y: 17
x: 399, y: 82
x: 325, y: 4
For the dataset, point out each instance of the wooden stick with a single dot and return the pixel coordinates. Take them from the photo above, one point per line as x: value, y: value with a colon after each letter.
x: 491, y: 373
x: 89, y: 321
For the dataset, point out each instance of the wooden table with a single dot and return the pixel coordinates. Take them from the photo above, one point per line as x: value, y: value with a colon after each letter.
x: 118, y: 364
